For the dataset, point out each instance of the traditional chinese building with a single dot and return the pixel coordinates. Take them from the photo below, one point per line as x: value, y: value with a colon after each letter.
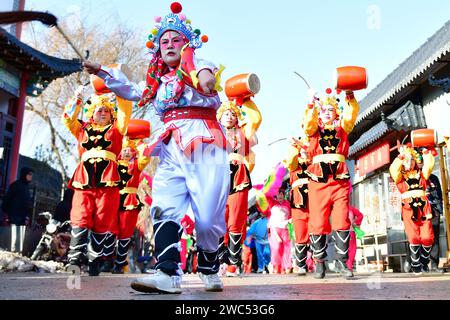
x: 23, y: 71
x: 404, y: 101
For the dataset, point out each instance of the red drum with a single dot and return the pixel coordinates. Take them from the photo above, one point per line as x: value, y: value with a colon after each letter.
x: 350, y: 78
x: 424, y: 138
x: 99, y: 85
x: 242, y: 86
x: 138, y: 129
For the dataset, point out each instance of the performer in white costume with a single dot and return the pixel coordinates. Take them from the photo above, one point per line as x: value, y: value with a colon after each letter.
x: 194, y: 168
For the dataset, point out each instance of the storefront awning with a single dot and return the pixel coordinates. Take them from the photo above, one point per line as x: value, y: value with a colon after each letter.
x: 408, y: 117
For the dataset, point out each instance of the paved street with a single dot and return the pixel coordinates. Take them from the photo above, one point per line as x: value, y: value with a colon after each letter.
x: 249, y: 287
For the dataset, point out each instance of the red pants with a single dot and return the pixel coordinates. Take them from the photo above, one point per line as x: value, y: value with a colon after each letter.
x: 247, y: 259
x: 352, y: 246
x: 325, y: 199
x: 417, y: 232
x: 96, y: 209
x: 236, y: 214
x: 127, y: 223
x: 300, y: 223
x: 183, y: 253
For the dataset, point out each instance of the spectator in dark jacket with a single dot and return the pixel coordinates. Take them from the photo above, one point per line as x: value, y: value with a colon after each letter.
x: 434, y: 193
x: 62, y: 211
x: 17, y: 205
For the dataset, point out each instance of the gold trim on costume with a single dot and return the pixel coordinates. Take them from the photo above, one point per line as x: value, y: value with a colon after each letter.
x: 329, y: 157
x: 128, y: 190
x: 105, y: 154
x: 413, y: 194
x: 300, y: 182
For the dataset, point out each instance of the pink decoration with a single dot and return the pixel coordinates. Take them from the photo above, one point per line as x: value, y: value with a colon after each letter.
x: 158, y: 19
x: 182, y: 17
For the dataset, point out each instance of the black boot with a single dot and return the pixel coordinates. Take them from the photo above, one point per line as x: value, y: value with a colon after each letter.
x: 167, y: 236
x: 95, y: 252
x: 319, y: 248
x: 121, y: 255
x: 416, y: 265
x: 208, y: 262
x: 319, y: 272
x: 425, y: 257
x: 342, y: 241
x: 301, y: 251
x: 235, y: 248
x: 78, y: 246
x: 223, y: 251
x: 107, y: 261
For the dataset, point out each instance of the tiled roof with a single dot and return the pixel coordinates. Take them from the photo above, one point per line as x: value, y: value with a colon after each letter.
x: 24, y: 57
x: 408, y: 117
x: 411, y: 69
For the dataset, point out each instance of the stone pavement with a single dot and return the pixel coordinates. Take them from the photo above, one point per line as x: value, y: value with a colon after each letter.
x: 375, y: 286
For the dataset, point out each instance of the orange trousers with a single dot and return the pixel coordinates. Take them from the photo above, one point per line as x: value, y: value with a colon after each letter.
x: 96, y: 209
x: 328, y: 199
x: 417, y: 232
x: 300, y: 223
x: 236, y: 214
x: 127, y: 223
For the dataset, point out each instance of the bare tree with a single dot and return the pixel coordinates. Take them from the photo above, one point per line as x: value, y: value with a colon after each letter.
x: 119, y: 45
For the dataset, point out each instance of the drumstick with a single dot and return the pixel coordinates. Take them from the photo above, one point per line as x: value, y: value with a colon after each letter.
x: 309, y: 87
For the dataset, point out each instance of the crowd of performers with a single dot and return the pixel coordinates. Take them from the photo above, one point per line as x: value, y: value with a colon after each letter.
x: 205, y: 163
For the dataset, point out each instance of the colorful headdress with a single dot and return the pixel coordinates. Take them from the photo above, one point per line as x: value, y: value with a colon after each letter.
x: 178, y: 22
x: 331, y: 100
x: 104, y: 100
x: 157, y: 68
x: 229, y: 105
x: 128, y: 143
x: 408, y: 152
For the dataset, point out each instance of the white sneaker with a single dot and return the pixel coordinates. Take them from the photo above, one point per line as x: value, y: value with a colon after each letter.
x: 301, y: 272
x: 223, y: 269
x: 158, y: 281
x: 212, y: 282
x: 232, y: 271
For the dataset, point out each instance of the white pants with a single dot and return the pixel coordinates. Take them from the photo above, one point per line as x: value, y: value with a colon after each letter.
x: 17, y: 238
x: 201, y: 181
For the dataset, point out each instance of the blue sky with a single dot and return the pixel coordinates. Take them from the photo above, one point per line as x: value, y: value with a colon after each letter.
x: 275, y: 38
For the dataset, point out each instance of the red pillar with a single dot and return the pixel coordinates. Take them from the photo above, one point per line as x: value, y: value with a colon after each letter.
x: 18, y: 132
x: 19, y: 24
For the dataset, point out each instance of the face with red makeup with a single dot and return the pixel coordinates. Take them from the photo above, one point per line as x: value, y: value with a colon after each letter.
x: 170, y: 44
x: 327, y: 114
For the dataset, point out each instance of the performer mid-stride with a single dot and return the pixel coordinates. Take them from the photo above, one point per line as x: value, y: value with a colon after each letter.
x: 416, y: 210
x: 327, y: 128
x: 240, y: 140
x: 131, y: 163
x: 297, y: 162
x: 96, y: 178
x: 193, y: 170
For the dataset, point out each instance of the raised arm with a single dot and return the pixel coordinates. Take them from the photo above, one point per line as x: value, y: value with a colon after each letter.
x: 142, y: 160
x: 428, y: 164
x: 252, y: 118
x: 350, y: 112
x: 396, y: 170
x: 123, y: 114
x: 310, y: 120
x: 291, y: 161
x: 70, y: 114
